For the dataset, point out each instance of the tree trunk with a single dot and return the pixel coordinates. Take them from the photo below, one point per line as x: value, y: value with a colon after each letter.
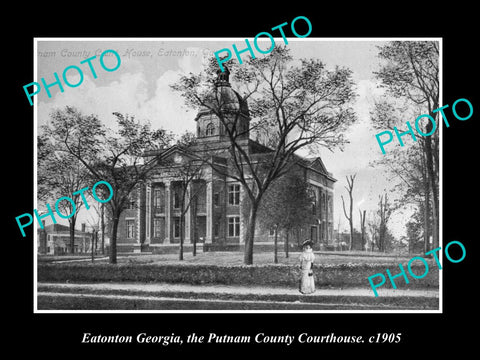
x: 250, y: 234
x: 91, y: 243
x: 426, y: 221
x: 364, y: 240
x: 275, y: 251
x: 362, y: 225
x: 351, y: 233
x: 103, y: 229
x: 286, y: 243
x: 194, y: 251
x: 426, y: 202
x: 180, y: 253
x: 350, y: 182
x: 96, y: 242
x: 433, y: 186
x: 435, y: 220
x: 113, y: 240
x: 381, y: 239
x: 72, y: 221
x: 194, y: 224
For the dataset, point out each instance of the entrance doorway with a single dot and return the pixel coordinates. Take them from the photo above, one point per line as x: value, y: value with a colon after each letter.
x: 313, y: 234
x: 201, y: 228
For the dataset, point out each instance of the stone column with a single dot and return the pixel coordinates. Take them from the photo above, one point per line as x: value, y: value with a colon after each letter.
x: 168, y: 212
x: 148, y: 213
x: 330, y: 216
x: 209, y: 204
x: 324, y: 218
x: 188, y: 214
x: 243, y: 230
x: 138, y: 202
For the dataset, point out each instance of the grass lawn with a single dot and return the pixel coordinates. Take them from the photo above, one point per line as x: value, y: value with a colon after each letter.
x: 236, y: 258
x: 69, y: 257
x: 86, y: 302
x: 331, y: 269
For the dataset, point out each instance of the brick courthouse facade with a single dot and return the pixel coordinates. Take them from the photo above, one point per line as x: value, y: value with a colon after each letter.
x: 152, y: 220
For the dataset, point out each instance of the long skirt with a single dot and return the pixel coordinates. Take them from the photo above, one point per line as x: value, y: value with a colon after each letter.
x: 307, y: 284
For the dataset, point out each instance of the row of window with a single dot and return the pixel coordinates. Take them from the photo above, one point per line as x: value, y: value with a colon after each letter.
x: 323, y: 203
x: 159, y: 201
x: 158, y: 225
x: 233, y: 228
x: 233, y: 199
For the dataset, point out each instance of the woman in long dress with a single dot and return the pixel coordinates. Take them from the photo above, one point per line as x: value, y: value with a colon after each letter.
x: 307, y: 284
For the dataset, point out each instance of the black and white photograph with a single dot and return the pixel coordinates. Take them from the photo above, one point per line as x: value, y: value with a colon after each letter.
x: 179, y: 180
x: 215, y: 180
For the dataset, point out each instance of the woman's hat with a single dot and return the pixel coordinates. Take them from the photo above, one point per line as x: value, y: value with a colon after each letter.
x: 307, y: 242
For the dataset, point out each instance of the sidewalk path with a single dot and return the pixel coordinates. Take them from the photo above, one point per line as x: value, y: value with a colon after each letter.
x: 162, y: 296
x: 240, y: 290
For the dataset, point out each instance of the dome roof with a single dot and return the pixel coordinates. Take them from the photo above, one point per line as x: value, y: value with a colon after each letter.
x: 224, y: 97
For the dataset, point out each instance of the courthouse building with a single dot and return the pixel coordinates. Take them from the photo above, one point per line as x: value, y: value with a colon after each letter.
x: 152, y: 221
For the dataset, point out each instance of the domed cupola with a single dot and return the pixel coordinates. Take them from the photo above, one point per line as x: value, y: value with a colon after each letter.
x: 229, y: 103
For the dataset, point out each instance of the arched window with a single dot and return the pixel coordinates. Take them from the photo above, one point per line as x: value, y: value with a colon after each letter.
x: 210, y: 129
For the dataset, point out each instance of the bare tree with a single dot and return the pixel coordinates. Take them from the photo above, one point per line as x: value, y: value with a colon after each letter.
x: 60, y: 174
x: 406, y: 167
x: 117, y: 158
x: 292, y: 107
x: 188, y: 176
x: 384, y: 211
x: 373, y: 230
x: 97, y: 223
x: 349, y: 216
x: 411, y: 72
x: 285, y: 206
x: 362, y: 226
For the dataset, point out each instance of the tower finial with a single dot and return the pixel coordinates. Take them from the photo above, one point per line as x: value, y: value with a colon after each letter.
x: 223, y: 77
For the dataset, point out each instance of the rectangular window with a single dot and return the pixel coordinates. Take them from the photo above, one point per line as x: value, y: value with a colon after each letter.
x: 321, y: 211
x: 323, y: 205
x: 272, y: 232
x: 176, y: 227
x: 130, y: 229
x: 216, y: 228
x: 313, y: 234
x: 176, y: 200
x: 157, y: 198
x: 157, y: 227
x: 313, y: 198
x: 234, y: 226
x: 234, y: 194
x: 216, y: 199
x: 201, y: 197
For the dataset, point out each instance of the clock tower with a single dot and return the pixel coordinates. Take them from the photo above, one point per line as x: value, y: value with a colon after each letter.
x: 232, y: 107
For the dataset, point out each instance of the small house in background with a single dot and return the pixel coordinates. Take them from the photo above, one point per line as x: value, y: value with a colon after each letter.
x: 342, y: 242
x: 54, y: 239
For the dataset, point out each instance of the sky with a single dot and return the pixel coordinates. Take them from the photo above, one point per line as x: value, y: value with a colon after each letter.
x: 140, y: 87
